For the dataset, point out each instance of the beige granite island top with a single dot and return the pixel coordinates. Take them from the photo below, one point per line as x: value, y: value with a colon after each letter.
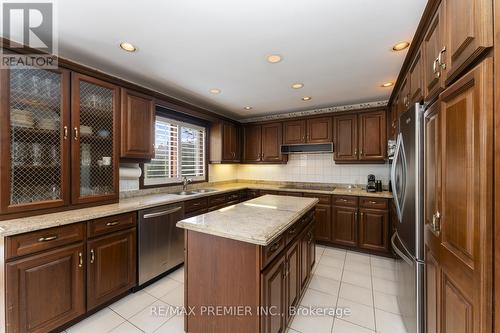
x: 138, y: 202
x: 258, y: 221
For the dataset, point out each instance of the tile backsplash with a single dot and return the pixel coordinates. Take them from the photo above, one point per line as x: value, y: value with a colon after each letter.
x: 314, y: 168
x: 310, y: 168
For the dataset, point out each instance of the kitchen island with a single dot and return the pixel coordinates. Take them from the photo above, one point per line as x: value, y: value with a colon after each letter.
x: 248, y: 264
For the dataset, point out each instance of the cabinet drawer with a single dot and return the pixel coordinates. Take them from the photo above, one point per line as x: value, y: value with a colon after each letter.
x: 345, y: 200
x: 111, y: 223
x: 253, y: 194
x: 233, y: 196
x: 290, y: 193
x: 268, y: 253
x: 195, y: 213
x: 374, y: 203
x: 41, y: 240
x: 324, y: 199
x: 216, y: 200
x: 264, y: 192
x: 195, y: 204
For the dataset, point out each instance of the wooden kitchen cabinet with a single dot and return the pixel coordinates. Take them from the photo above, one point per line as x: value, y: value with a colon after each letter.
x: 137, y: 125
x: 416, y: 79
x: 344, y: 226
x: 307, y: 254
x: 294, y: 132
x: 292, y: 283
x: 95, y: 120
x: 345, y: 138
x: 319, y: 130
x: 323, y: 217
x: 468, y: 32
x: 252, y: 143
x: 433, y: 46
x: 224, y: 143
x: 313, y: 130
x: 404, y: 95
x: 374, y: 229
x: 35, y: 157
x: 262, y: 143
x: 111, y: 262
x: 273, y: 297
x: 372, y: 142
x: 360, y: 137
x: 46, y: 290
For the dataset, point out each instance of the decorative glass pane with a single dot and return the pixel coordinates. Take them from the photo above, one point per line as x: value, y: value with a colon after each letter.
x: 96, y: 140
x: 35, y: 115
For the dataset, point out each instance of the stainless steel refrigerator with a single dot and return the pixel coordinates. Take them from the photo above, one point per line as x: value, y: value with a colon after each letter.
x: 407, y: 241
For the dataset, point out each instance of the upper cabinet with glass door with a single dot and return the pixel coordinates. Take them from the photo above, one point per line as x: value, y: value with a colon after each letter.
x: 34, y: 147
x: 95, y: 139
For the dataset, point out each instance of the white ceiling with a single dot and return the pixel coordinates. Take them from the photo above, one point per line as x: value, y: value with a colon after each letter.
x: 340, y: 50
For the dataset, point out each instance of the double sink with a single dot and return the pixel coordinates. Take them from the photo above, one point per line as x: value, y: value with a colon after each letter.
x: 197, y: 191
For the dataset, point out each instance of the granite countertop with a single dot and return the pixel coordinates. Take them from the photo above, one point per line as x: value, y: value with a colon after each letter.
x: 258, y: 221
x: 130, y: 204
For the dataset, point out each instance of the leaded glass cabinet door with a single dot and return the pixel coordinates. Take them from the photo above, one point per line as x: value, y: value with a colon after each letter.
x: 34, y: 147
x: 95, y: 139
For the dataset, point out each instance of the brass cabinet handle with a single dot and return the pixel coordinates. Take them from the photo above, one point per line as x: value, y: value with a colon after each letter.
x: 292, y: 230
x: 65, y: 132
x: 440, y: 58
x: 361, y: 152
x: 110, y: 224
x: 343, y: 200
x: 92, y: 256
x: 356, y: 152
x: 436, y: 222
x: 435, y: 68
x: 80, y: 260
x: 373, y: 202
x: 47, y: 238
x: 75, y: 135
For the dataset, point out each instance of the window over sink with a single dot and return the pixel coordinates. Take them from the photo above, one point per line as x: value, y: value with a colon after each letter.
x: 179, y: 152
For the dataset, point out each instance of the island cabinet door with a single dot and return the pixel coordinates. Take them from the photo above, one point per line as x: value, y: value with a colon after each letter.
x: 111, y: 266
x: 344, y: 225
x: 306, y: 257
x: 273, y: 297
x: 45, y: 291
x: 292, y: 278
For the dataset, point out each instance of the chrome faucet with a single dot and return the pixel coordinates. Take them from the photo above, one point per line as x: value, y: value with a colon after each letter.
x: 185, y: 182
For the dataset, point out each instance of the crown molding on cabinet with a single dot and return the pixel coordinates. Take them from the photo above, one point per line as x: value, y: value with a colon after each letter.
x: 331, y: 109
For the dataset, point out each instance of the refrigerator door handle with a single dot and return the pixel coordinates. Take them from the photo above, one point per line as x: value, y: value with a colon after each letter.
x: 397, y: 159
x: 398, y: 251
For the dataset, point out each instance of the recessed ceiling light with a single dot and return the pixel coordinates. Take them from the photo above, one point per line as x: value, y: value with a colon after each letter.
x: 297, y: 85
x: 400, y: 46
x: 128, y: 47
x: 247, y: 108
x: 215, y: 91
x: 387, y: 84
x: 306, y: 98
x: 274, y: 58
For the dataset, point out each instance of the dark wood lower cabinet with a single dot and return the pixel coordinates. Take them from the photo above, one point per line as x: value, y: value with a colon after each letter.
x: 45, y: 291
x: 273, y: 297
x: 323, y: 227
x: 111, y: 262
x: 374, y: 229
x: 344, y: 226
x: 292, y: 280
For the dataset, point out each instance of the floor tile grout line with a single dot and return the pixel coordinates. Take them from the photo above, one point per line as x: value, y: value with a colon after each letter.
x: 338, y: 292
x: 373, y: 298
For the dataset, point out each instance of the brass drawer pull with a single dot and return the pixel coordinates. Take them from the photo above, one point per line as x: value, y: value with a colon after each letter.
x: 292, y: 231
x: 80, y: 260
x: 92, y: 256
x: 343, y: 200
x: 111, y: 224
x: 373, y: 202
x: 47, y: 239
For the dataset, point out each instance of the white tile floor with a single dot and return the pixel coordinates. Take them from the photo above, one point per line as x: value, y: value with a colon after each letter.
x: 365, y: 284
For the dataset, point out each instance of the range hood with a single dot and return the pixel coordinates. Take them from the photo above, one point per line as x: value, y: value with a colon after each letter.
x: 311, y: 148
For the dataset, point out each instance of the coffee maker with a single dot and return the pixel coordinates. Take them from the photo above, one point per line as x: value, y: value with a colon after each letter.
x: 371, y: 185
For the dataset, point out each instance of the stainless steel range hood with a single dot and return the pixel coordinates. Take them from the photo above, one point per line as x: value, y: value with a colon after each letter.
x: 311, y: 148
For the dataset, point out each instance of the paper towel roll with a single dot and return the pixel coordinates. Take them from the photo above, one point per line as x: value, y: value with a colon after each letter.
x: 130, y: 173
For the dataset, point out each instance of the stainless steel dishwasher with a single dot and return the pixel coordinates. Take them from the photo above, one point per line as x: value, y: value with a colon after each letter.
x: 161, y: 243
